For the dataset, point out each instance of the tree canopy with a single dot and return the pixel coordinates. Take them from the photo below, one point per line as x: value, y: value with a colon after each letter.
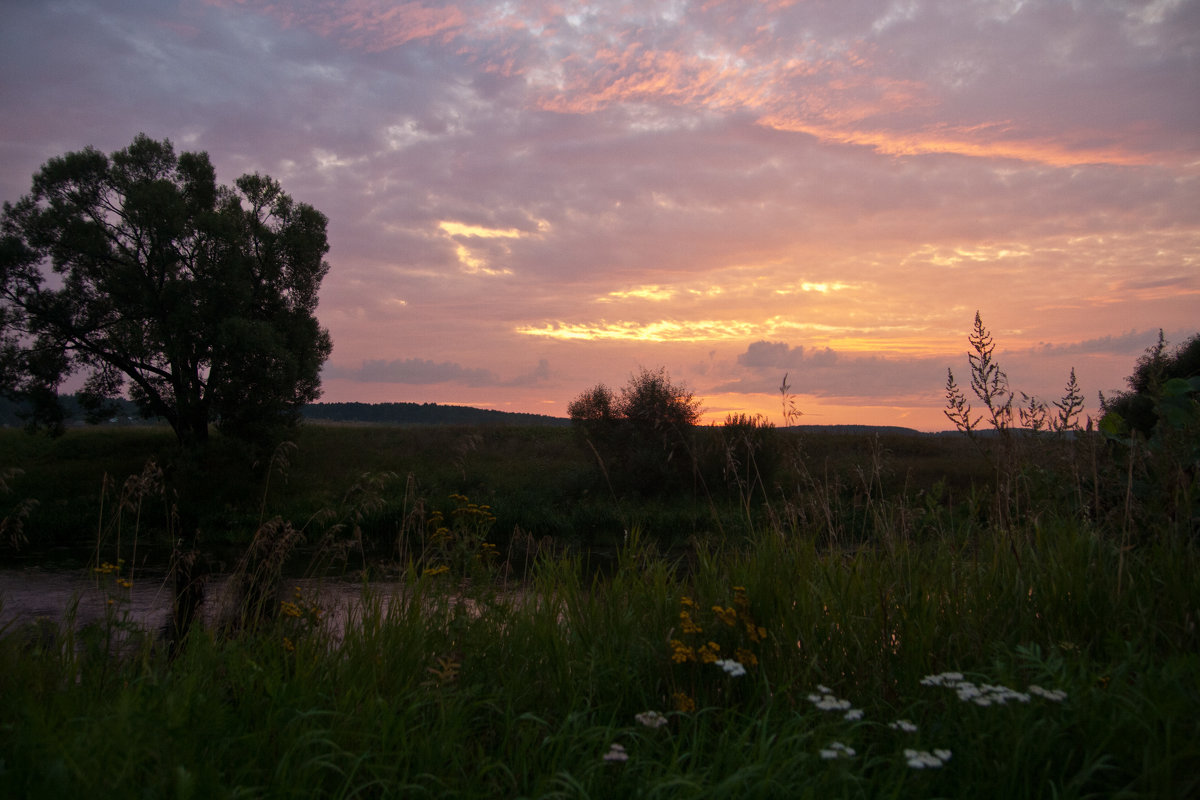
x: 138, y: 271
x: 642, y: 433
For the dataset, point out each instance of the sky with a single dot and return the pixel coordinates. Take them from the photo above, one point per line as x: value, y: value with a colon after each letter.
x: 529, y: 198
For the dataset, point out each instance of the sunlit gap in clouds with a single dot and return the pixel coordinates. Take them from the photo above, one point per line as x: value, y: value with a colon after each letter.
x: 472, y: 263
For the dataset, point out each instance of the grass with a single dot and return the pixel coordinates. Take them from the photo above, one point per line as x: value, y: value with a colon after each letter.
x: 864, y: 580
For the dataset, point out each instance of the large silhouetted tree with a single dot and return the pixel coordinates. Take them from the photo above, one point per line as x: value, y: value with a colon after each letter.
x: 140, y: 272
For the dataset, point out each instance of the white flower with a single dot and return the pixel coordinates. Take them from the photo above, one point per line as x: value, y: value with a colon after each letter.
x: 1055, y: 695
x: 903, y: 725
x: 616, y: 753
x: 831, y: 703
x: 823, y: 689
x: 921, y: 759
x: 837, y: 750
x: 651, y: 719
x: 854, y: 714
x: 944, y: 679
x: 734, y: 668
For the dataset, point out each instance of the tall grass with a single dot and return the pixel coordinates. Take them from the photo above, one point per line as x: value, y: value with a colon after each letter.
x: 437, y: 690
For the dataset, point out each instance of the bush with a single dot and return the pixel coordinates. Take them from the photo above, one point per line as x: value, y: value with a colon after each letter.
x: 643, y: 436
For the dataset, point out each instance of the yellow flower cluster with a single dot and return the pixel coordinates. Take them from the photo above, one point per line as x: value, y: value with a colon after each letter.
x: 681, y: 653
x: 755, y: 632
x: 733, y: 624
x: 301, y: 608
x: 726, y: 615
x: 683, y: 702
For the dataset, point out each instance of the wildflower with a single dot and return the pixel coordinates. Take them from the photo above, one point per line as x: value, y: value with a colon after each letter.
x: 1055, y: 695
x: 125, y: 582
x: 950, y: 679
x: 681, y: 653
x: 827, y: 702
x: 651, y: 719
x: 616, y: 753
x: 746, y: 657
x: 985, y: 694
x: 837, y: 750
x: 288, y: 645
x: 734, y: 668
x: 441, y: 569
x: 289, y: 609
x: 726, y: 615
x: 708, y: 653
x: 687, y: 602
x: 854, y: 714
x: 683, y: 702
x: 921, y: 759
x: 689, y: 626
x: 903, y: 725
x: 757, y: 633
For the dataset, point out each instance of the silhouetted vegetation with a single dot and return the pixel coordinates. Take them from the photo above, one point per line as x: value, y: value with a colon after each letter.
x: 643, y: 436
x: 140, y: 272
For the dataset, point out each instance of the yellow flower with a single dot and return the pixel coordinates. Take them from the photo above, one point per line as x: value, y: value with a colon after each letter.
x: 288, y: 646
x: 438, y: 570
x: 683, y: 702
x: 739, y: 598
x: 289, y: 609
x: 708, y: 653
x: 687, y: 602
x: 681, y: 653
x: 747, y: 658
x: 757, y: 633
x: 689, y: 626
x: 726, y: 615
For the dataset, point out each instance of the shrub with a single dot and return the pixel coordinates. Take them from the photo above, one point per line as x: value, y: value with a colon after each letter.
x: 642, y: 436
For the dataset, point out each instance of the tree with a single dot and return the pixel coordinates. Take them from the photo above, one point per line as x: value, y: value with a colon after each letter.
x: 1139, y: 407
x: 140, y: 272
x: 643, y: 432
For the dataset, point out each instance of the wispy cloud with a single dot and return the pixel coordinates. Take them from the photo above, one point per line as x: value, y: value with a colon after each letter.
x: 729, y: 189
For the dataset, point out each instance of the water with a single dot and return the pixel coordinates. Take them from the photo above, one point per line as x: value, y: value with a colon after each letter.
x: 29, y: 594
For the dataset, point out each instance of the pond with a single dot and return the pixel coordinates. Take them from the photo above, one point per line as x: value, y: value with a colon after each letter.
x: 82, y: 596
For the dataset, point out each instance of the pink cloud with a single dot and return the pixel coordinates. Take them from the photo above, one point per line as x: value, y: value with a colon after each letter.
x: 368, y: 25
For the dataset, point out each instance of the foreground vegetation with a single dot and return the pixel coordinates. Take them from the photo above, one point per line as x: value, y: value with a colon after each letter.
x: 863, y: 629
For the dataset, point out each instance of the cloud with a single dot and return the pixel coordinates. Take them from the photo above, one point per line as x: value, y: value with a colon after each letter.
x: 424, y: 372
x: 779, y: 355
x: 538, y: 375
x: 415, y: 371
x: 616, y: 183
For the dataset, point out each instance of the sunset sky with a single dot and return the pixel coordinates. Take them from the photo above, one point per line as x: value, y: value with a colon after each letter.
x: 529, y: 198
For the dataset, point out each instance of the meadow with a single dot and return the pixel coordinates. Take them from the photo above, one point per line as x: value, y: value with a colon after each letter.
x: 881, y: 617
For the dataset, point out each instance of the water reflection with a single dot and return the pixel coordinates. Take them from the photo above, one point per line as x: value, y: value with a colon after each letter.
x: 28, y: 594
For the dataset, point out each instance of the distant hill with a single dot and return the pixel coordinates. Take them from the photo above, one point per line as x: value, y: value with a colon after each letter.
x: 423, y: 414
x: 420, y: 414
x: 858, y: 430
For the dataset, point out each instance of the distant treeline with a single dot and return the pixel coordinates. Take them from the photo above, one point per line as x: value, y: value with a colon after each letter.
x: 399, y: 414
x: 123, y: 412
x: 126, y: 413
x: 423, y: 414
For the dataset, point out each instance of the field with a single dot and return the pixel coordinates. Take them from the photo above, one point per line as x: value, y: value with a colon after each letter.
x: 880, y: 617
